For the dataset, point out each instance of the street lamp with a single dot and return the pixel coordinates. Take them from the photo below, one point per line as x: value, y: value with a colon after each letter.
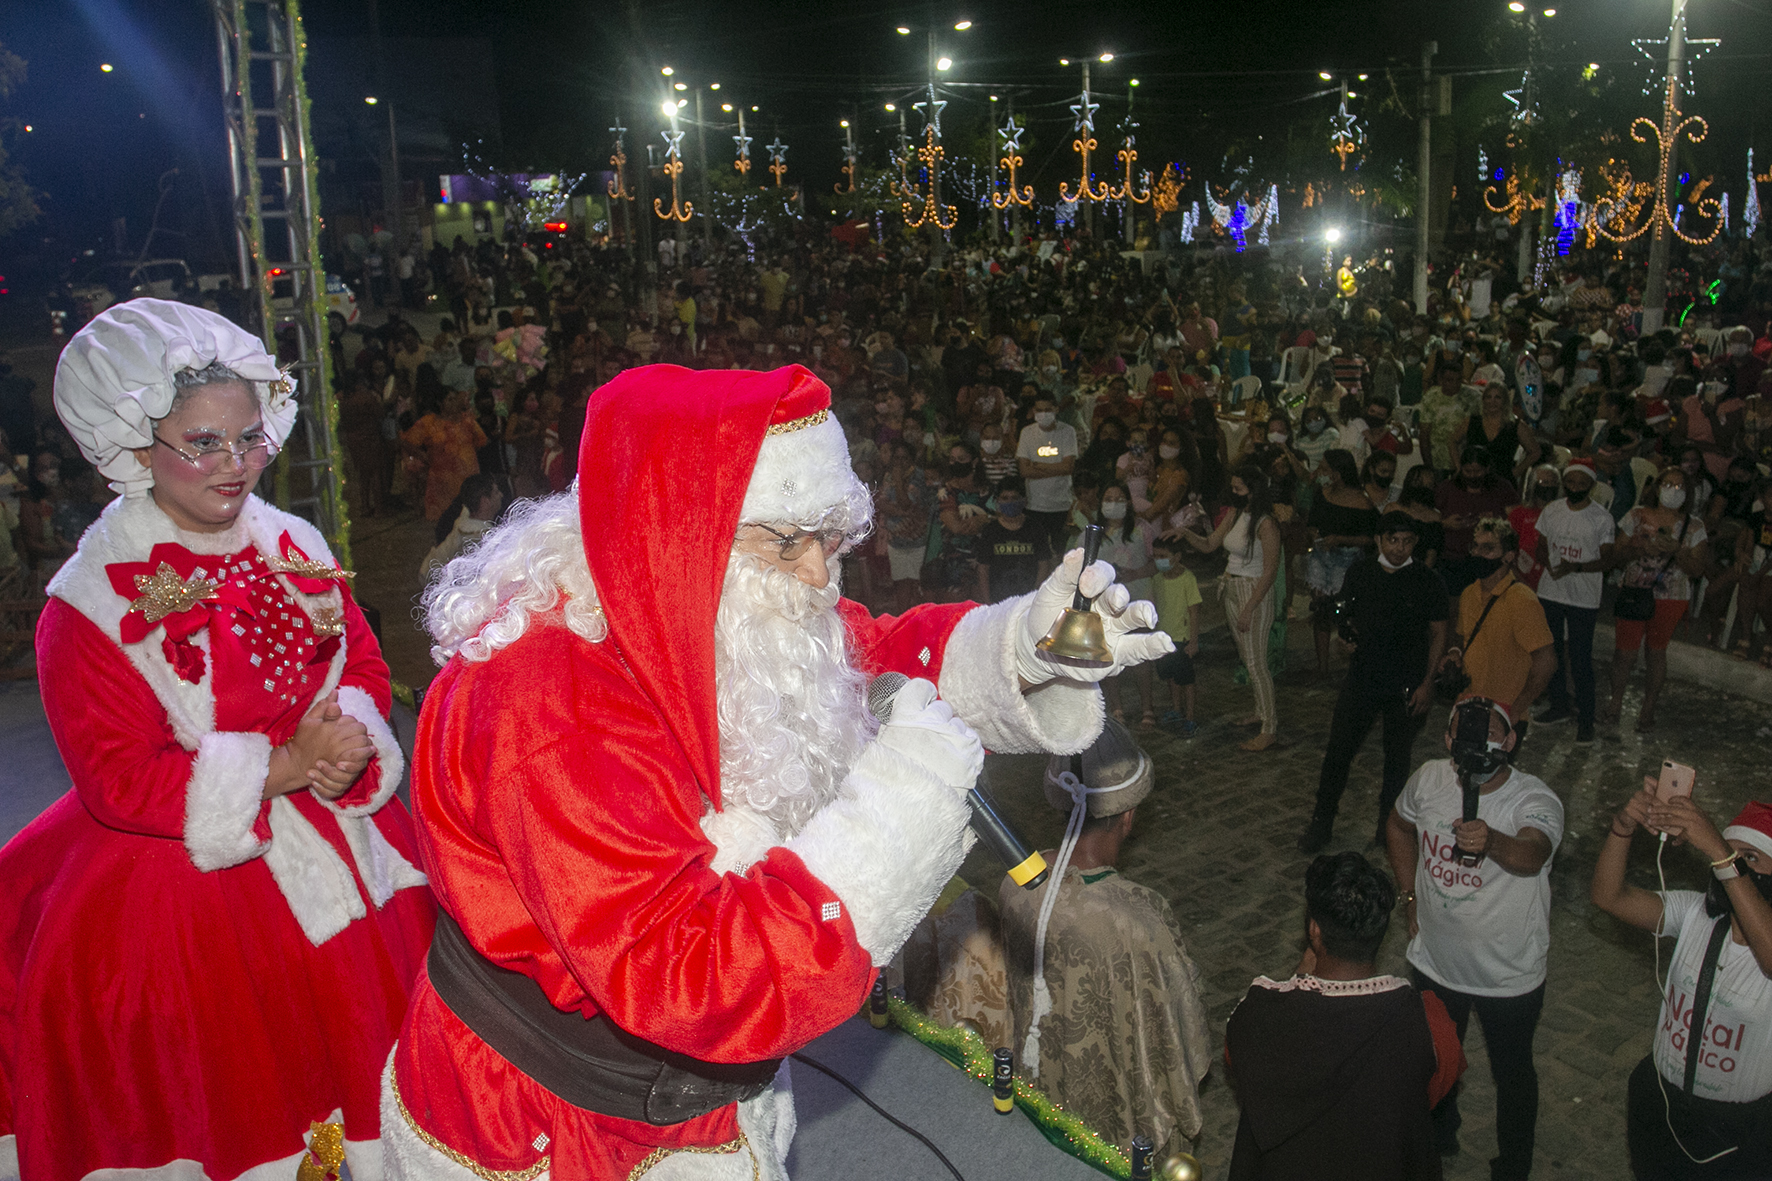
x: 1087, y: 193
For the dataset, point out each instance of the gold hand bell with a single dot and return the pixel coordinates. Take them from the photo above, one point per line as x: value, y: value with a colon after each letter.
x: 1077, y: 636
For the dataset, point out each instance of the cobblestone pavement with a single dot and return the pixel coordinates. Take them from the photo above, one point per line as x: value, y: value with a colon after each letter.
x: 1216, y: 838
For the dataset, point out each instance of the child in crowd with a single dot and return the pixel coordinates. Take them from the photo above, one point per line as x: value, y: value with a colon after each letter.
x: 1176, y: 593
x: 1008, y: 560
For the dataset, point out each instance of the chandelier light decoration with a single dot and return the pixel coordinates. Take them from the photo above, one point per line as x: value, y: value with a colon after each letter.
x: 743, y: 143
x: 931, y: 211
x: 618, y: 187
x: 1083, y: 145
x: 1011, y: 160
x: 1619, y: 223
x: 848, y: 169
x: 1128, y: 156
x: 680, y: 210
x: 1517, y: 203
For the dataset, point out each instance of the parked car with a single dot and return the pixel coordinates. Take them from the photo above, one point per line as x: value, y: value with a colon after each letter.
x: 341, y: 301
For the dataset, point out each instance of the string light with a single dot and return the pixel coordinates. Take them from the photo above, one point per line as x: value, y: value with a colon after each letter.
x: 673, y: 168
x: 932, y: 211
x: 1084, y: 110
x: 1166, y: 194
x: 778, y: 164
x: 618, y: 187
x: 1517, y: 202
x: 1750, y: 209
x: 1346, y: 136
x: 1667, y: 137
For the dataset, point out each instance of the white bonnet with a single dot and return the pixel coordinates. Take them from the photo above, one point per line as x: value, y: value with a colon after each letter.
x: 115, y: 380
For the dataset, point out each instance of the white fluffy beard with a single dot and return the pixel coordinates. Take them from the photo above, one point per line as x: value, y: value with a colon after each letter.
x: 792, y: 709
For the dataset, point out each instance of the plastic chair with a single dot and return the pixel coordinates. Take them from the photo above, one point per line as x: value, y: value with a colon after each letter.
x: 1245, y: 389
x: 1642, y: 470
x: 1295, y: 366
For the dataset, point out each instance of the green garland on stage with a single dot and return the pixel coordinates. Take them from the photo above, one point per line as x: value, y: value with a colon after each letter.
x: 967, y: 1050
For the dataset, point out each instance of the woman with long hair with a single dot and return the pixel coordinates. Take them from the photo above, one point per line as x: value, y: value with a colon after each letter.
x: 1251, y: 541
x: 1127, y: 542
x: 1658, y: 545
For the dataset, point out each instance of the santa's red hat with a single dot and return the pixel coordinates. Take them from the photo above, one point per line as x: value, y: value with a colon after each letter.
x: 1582, y: 464
x: 671, y: 462
x: 1753, y: 825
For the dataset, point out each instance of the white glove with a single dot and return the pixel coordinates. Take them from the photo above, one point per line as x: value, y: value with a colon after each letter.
x: 925, y: 731
x: 1119, y: 617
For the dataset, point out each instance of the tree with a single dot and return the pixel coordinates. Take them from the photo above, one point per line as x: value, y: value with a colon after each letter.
x: 18, y: 200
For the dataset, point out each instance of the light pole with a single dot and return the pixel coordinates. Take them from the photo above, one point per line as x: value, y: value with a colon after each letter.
x: 1425, y: 163
x: 1655, y: 287
x: 1087, y: 192
x: 934, y: 64
x: 391, y: 191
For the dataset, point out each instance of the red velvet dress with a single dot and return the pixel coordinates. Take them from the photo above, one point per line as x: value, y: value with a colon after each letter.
x: 151, y: 1012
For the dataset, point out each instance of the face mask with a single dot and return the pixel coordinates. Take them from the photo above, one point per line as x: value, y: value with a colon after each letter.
x: 1276, y: 436
x: 1169, y: 451
x: 1315, y: 426
x: 1577, y: 497
x: 1324, y: 481
x: 1240, y: 499
x: 1738, y: 350
x: 1137, y: 449
x: 50, y: 479
x: 1454, y: 347
x: 928, y: 438
x: 1114, y: 510
x: 1484, y: 567
x: 1586, y: 377
x: 1672, y: 497
x: 1011, y: 509
x: 1164, y: 564
x: 1045, y: 419
x: 959, y: 470
x: 1583, y: 354
x: 1547, y: 492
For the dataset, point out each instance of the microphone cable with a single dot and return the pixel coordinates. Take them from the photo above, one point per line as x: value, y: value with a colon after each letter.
x: 857, y: 1091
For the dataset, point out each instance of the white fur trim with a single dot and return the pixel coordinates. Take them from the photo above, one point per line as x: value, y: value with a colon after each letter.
x: 741, y: 838
x: 404, y: 1154
x: 314, y: 879
x: 801, y: 476
x: 9, y: 1158
x: 383, y: 870
x: 357, y: 704
x: 979, y: 680
x: 223, y: 798
x: 886, y: 846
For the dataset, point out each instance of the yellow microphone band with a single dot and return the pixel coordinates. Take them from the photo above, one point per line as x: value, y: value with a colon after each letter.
x: 1003, y: 1106
x: 1028, y: 870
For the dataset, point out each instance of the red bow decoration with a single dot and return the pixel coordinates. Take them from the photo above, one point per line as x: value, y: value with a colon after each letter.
x: 166, y: 592
x: 308, y: 576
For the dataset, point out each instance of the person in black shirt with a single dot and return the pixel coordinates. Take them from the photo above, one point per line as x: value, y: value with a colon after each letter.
x: 1008, y: 558
x: 1395, y: 609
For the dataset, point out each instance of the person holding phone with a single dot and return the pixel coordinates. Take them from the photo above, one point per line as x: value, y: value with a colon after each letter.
x: 1658, y: 544
x: 1701, y: 1107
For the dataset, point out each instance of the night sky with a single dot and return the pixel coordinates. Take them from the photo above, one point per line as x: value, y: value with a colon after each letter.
x: 1218, y: 82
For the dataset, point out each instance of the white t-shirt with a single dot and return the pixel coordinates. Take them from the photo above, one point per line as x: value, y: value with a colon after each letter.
x: 1572, y: 535
x: 1484, y: 930
x: 1735, y: 1065
x: 1048, y: 494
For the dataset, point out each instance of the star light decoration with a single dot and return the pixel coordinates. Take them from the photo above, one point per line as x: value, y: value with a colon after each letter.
x: 618, y: 188
x: 1011, y: 149
x: 673, y: 168
x: 743, y: 143
x: 1654, y: 51
x: 1083, y: 145
x: 778, y: 163
x: 1609, y: 213
x: 1346, y: 136
x: 848, y: 168
x: 1525, y: 106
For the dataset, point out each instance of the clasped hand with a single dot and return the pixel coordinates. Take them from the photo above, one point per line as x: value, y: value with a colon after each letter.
x: 327, y: 752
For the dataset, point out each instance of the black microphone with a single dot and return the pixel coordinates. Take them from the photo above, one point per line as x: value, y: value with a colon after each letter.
x: 1472, y: 792
x: 1026, y: 869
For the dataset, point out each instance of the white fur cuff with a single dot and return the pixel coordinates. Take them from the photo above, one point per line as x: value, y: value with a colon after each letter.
x: 392, y: 763
x: 886, y: 846
x: 979, y: 680
x: 223, y: 798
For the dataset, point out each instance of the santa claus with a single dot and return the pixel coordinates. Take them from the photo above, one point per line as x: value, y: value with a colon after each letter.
x: 670, y: 842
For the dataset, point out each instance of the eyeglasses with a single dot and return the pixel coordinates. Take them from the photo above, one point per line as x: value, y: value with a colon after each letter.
x: 794, y: 545
x: 210, y: 452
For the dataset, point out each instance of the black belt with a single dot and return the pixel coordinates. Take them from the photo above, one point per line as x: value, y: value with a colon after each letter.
x: 590, y: 1063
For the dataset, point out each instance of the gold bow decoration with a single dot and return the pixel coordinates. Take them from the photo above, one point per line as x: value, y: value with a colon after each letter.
x: 302, y: 566
x: 164, y: 593
x: 328, y: 622
x: 325, y: 1156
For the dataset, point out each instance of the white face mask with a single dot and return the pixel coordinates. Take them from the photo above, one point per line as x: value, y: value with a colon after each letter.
x: 928, y: 438
x: 1276, y: 436
x: 990, y: 446
x: 1169, y: 451
x: 1045, y: 419
x: 1672, y: 497
x: 1113, y: 510
x: 1738, y: 350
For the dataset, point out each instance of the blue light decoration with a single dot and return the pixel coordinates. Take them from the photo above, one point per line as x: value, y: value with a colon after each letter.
x: 1685, y: 178
x: 1750, y: 209
x: 1237, y: 219
x: 1500, y: 173
x: 1065, y: 212
x: 1569, y: 215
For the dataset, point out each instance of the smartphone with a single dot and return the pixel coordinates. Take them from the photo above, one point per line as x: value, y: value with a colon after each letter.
x: 1473, y: 727
x: 1676, y: 780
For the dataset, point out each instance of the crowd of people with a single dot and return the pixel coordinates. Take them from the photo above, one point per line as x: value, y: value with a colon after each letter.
x: 1443, y: 495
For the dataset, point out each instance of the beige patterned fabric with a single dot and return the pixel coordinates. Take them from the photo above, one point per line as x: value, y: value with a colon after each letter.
x: 953, y: 966
x: 1125, y: 1046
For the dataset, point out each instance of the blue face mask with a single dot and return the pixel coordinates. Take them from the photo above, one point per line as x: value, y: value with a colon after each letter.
x: 1165, y: 563
x: 1011, y: 509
